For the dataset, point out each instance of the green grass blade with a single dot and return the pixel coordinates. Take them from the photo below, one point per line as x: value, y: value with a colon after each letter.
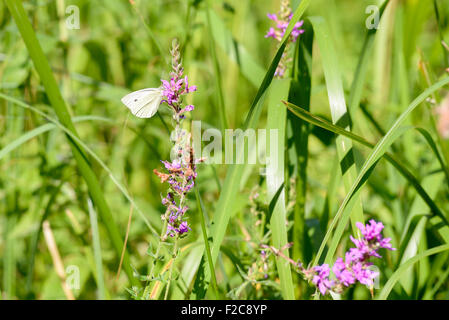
x: 427, y: 136
x: 219, y: 85
x: 440, y: 27
x: 407, y: 174
x: 383, y: 295
x: 97, y: 251
x: 407, y: 279
x: 277, y: 121
x: 248, y: 66
x: 362, y: 65
x: 9, y: 257
x: 339, y: 111
x: 231, y: 184
x: 395, y: 131
x: 298, y: 137
x: 442, y: 278
x: 206, y: 242
x: 38, y: 131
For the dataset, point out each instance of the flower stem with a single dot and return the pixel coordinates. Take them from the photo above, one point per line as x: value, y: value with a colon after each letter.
x: 156, y: 255
x: 175, y: 255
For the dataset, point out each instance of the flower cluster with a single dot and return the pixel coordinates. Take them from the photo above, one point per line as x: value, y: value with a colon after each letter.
x: 181, y: 172
x: 355, y: 267
x: 282, y: 19
x: 281, y: 26
x: 178, y: 86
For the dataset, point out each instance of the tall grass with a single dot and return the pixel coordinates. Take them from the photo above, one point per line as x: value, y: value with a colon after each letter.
x: 358, y: 138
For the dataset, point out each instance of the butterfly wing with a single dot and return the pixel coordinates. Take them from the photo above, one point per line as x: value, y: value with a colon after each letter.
x: 143, y: 103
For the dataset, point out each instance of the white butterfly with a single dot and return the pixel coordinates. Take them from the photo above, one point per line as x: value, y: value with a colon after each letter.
x: 144, y: 103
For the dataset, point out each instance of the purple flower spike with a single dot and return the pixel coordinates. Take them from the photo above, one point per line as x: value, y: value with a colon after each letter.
x: 385, y: 243
x: 178, y: 85
x: 181, y: 172
x: 299, y: 24
x: 282, y: 20
x: 187, y: 88
x: 356, y: 266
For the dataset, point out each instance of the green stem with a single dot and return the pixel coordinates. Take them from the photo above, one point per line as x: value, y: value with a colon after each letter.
x: 156, y: 255
x: 206, y: 244
x: 221, y: 105
x: 175, y: 255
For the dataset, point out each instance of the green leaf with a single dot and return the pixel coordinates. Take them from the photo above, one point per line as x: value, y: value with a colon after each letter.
x: 231, y: 184
x: 54, y: 95
x: 307, y: 116
x: 277, y: 121
x: 383, y: 295
x: 339, y: 112
x: 97, y: 251
x: 298, y: 138
x: 379, y: 150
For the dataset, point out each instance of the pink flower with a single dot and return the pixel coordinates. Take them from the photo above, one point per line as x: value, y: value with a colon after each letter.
x: 271, y: 33
x: 363, y: 274
x: 342, y: 274
x: 272, y: 17
x: 321, y: 280
x: 356, y: 266
x: 372, y: 230
x: 281, y: 26
x: 181, y: 171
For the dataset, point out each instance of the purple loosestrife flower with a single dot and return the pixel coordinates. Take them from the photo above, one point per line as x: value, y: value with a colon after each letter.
x: 178, y: 86
x: 281, y: 27
x: 355, y: 267
x: 371, y: 231
x: 363, y: 274
x: 342, y: 274
x: 282, y: 19
x: 321, y: 279
x: 181, y: 179
x: 181, y: 171
x: 372, y: 239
